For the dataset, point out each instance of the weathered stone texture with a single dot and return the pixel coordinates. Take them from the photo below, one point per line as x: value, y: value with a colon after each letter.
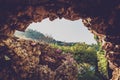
x: 29, y: 60
x: 100, y: 16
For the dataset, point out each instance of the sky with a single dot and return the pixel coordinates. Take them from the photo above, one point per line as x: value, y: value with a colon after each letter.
x: 64, y: 30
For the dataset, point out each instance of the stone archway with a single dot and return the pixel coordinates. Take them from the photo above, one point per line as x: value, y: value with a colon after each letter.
x: 100, y: 16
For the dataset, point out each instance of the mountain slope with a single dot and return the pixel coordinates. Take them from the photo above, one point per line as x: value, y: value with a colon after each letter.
x: 35, y: 35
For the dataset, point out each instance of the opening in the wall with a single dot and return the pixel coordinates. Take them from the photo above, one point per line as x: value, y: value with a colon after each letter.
x: 64, y: 30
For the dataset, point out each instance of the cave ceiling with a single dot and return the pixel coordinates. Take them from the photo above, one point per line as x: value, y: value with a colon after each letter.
x: 99, y: 15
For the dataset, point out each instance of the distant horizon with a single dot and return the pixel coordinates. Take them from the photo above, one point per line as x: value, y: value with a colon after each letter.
x: 64, y: 30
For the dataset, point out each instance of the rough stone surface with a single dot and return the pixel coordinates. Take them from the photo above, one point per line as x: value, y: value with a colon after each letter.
x: 29, y: 60
x: 102, y: 17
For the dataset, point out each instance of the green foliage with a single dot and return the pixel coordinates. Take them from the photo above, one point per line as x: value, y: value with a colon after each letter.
x: 92, y: 64
x: 102, y: 63
x: 82, y: 52
x: 90, y: 58
x: 86, y: 57
x: 87, y: 72
x: 33, y: 34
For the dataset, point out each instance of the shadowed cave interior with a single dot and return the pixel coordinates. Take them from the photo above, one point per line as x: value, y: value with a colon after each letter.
x: 101, y: 17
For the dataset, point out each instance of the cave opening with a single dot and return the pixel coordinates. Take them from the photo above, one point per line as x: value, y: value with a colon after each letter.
x: 66, y: 27
x: 100, y: 16
x: 62, y: 30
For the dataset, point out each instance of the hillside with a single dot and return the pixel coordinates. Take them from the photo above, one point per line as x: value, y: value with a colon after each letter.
x: 35, y: 35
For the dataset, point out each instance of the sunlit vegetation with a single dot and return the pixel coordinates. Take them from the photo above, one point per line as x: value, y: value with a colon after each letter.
x: 92, y: 64
x: 90, y: 59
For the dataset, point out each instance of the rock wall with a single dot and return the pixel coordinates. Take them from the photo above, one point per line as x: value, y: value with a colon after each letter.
x: 100, y: 16
x: 29, y: 60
